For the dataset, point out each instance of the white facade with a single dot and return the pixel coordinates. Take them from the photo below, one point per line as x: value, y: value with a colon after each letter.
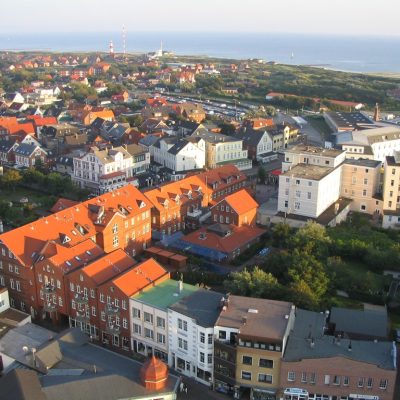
x: 308, y: 195
x: 106, y: 170
x: 4, y: 300
x: 149, y: 329
x: 190, y: 347
x: 191, y: 155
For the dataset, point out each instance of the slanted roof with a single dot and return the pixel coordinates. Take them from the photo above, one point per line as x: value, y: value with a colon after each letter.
x: 21, y: 384
x: 203, y: 305
x: 360, y: 322
x: 241, y: 201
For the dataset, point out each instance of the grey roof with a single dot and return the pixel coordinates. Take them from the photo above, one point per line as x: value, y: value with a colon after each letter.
x: 25, y: 149
x: 363, y: 162
x: 215, y: 137
x: 251, y: 137
x: 203, y: 306
x: 309, y: 324
x: 49, y: 355
x: 363, y: 322
x: 149, y: 140
x: 21, y: 384
x: 349, y: 119
x: 6, y: 145
x: 380, y: 354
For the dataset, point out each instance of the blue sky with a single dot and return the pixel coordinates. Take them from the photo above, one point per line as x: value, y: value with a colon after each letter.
x: 360, y: 17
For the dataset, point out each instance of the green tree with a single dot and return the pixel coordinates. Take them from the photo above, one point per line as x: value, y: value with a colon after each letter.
x: 281, y: 235
x: 11, y: 179
x: 262, y: 175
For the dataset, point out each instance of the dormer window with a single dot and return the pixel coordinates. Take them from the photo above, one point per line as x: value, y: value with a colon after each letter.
x: 65, y: 239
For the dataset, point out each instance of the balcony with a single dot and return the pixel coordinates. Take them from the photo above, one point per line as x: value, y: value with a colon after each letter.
x: 48, y: 288
x: 80, y: 299
x: 195, y: 213
x: 111, y: 310
x: 49, y: 307
x: 113, y: 329
x: 82, y: 317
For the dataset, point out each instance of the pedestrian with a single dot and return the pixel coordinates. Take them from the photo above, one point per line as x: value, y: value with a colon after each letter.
x: 181, y: 386
x: 185, y: 389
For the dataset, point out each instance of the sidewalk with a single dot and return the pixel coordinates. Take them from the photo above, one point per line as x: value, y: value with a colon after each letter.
x: 198, y: 391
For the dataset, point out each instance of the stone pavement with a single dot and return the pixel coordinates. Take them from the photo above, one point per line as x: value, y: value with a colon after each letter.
x: 198, y: 391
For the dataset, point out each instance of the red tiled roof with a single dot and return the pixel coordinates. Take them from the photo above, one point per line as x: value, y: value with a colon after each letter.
x: 62, y: 204
x: 227, y: 244
x: 241, y: 201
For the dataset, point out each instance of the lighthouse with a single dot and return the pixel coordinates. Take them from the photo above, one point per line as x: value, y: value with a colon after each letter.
x: 111, y: 49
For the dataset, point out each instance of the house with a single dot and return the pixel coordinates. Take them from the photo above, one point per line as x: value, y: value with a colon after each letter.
x: 7, y: 147
x: 88, y: 117
x: 391, y: 179
x: 315, y: 365
x: 258, y: 143
x: 347, y: 121
x: 27, y: 155
x: 219, y: 242
x: 221, y: 149
x: 122, y: 97
x: 152, y: 125
x: 192, y: 112
x: 250, y: 338
x: 191, y: 323
x: 173, y: 203
x: 238, y: 209
x: 179, y: 154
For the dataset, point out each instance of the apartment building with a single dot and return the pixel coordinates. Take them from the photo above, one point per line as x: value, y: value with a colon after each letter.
x: 250, y: 338
x: 361, y: 182
x: 257, y: 142
x: 113, y: 300
x: 53, y: 265
x: 82, y: 287
x: 221, y: 149
x: 321, y: 367
x: 238, y: 209
x: 149, y: 317
x: 173, y: 203
x: 179, y: 154
x: 28, y: 155
x: 191, y: 323
x: 391, y: 192
x: 375, y: 144
x: 119, y: 219
x: 109, y: 169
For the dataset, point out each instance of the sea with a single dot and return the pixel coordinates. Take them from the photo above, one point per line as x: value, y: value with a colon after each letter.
x: 355, y: 54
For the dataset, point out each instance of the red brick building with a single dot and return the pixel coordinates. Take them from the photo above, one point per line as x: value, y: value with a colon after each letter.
x: 238, y: 209
x: 115, y: 220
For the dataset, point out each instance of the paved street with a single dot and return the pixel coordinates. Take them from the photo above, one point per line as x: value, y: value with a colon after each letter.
x: 198, y: 391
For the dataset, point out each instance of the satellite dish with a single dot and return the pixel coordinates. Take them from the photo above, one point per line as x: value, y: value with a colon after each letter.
x: 25, y: 349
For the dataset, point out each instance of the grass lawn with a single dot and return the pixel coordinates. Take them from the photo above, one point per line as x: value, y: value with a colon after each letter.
x: 18, y: 193
x: 344, y: 302
x: 319, y: 124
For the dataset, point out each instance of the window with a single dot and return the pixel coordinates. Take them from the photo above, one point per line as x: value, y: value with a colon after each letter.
x: 209, y: 358
x: 360, y: 382
x: 309, y: 195
x: 312, y: 377
x: 210, y: 338
x: 336, y: 380
x: 125, y: 323
x: 202, y: 357
x: 309, y: 183
x: 161, y: 322
x: 265, y: 378
x: 148, y: 317
x: 298, y: 193
x: 182, y: 344
x: 222, y: 335
x: 182, y: 324
x: 364, y: 193
x: 92, y: 293
x: 346, y: 381
x: 115, y: 241
x: 148, y: 333
x: 115, y: 229
x: 291, y: 376
x: 18, y: 286
x: 123, y: 304
x: 94, y: 311
x: 297, y: 181
x: 246, y: 375
x: 247, y: 360
x: 160, y: 338
x: 297, y: 205
x: 383, y: 384
x: 369, y: 383
x: 10, y: 267
x: 327, y: 379
x: 365, y: 181
x: 136, y: 313
x: 266, y: 363
x: 137, y: 329
x: 102, y: 297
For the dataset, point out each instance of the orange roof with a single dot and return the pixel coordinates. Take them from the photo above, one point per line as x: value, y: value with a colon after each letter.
x: 240, y: 201
x: 136, y: 279
x: 174, y: 190
x: 70, y: 258
x: 109, y: 266
x: 74, y: 224
x: 227, y: 244
x: 41, y: 121
x: 62, y: 204
x: 12, y: 125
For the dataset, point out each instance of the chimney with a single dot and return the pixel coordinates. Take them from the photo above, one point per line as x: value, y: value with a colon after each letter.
x: 377, y: 114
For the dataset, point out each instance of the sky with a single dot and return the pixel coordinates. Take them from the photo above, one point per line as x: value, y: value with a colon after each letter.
x: 345, y: 17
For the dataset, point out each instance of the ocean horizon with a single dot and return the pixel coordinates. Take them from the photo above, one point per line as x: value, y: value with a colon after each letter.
x: 345, y: 53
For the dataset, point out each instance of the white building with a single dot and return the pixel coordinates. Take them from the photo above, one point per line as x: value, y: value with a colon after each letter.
x: 191, y: 334
x: 149, y: 317
x: 222, y: 149
x: 109, y: 169
x: 311, y: 180
x: 179, y: 154
x: 374, y: 144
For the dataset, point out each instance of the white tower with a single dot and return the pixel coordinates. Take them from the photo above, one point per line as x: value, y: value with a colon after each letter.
x: 124, y: 41
x: 111, y: 49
